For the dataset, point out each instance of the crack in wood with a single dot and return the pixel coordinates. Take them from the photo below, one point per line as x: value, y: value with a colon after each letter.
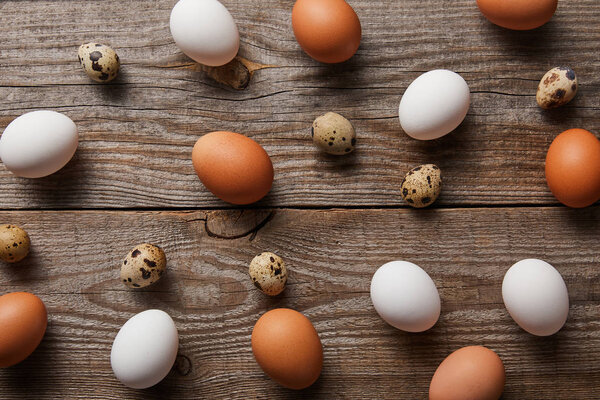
x: 252, y: 232
x: 236, y: 74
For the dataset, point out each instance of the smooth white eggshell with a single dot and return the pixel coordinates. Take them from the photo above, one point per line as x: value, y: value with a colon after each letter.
x: 536, y: 297
x: 38, y: 143
x: 145, y: 349
x: 205, y: 31
x: 434, y: 104
x: 405, y: 296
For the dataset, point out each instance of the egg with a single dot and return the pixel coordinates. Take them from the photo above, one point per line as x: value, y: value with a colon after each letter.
x: 205, y: 31
x: 23, y: 319
x: 536, y: 297
x: 268, y: 273
x: 100, y: 62
x: 38, y: 143
x: 518, y: 14
x: 573, y: 168
x: 327, y: 30
x: 469, y: 373
x: 14, y: 243
x: 287, y: 348
x: 333, y: 134
x: 145, y: 349
x: 144, y: 265
x: 405, y: 297
x: 233, y: 167
x: 422, y: 185
x: 434, y: 104
x: 557, y: 87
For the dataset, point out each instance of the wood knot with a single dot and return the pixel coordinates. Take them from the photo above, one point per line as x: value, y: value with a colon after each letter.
x: 183, y: 365
x: 236, y: 73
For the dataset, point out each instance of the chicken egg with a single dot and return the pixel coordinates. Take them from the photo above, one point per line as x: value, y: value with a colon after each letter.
x: 536, y: 297
x: 434, y: 104
x: 573, y: 168
x: 327, y: 30
x: 205, y: 31
x: 233, y: 167
x: 38, y: 143
x: 405, y: 296
x: 469, y: 373
x: 145, y: 349
x: 23, y: 321
x: 287, y: 348
x: 518, y: 14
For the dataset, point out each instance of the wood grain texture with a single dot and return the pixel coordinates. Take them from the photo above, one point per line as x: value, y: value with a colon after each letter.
x: 74, y: 268
x: 137, y: 133
x: 334, y: 220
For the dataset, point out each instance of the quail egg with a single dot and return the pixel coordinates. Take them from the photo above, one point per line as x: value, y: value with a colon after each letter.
x: 14, y: 243
x: 333, y: 134
x: 99, y: 61
x: 268, y: 273
x: 422, y: 185
x: 144, y: 265
x: 557, y: 88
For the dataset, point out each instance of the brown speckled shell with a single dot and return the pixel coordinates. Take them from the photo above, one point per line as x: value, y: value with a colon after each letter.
x: 422, y: 185
x: 100, y: 62
x: 14, y: 243
x: 557, y: 88
x: 144, y: 265
x: 268, y: 273
x: 333, y: 134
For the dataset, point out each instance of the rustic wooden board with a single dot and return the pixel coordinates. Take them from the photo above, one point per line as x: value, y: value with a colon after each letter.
x: 137, y: 133
x: 74, y: 269
x: 334, y: 220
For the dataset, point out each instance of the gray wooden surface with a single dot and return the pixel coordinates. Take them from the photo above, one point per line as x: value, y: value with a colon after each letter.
x: 334, y: 220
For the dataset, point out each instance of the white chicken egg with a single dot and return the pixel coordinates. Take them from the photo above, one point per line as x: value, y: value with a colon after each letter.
x: 405, y: 296
x: 434, y: 104
x: 536, y: 297
x: 145, y: 349
x: 38, y: 143
x: 205, y: 31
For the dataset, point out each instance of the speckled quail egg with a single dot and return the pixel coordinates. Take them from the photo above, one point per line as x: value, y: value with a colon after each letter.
x: 557, y: 88
x: 333, y: 134
x: 99, y: 61
x: 144, y: 265
x: 14, y: 243
x: 422, y: 185
x: 268, y: 273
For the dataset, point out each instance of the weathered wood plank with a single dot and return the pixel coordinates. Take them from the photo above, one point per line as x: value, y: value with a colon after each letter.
x: 74, y: 269
x: 137, y: 134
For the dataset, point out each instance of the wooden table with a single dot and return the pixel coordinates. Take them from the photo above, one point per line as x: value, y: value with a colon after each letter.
x: 334, y: 220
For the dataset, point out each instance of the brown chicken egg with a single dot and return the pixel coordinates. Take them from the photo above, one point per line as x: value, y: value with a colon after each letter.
x: 233, y: 167
x: 23, y: 321
x: 287, y: 348
x: 518, y: 14
x: 470, y: 373
x: 327, y: 30
x: 573, y: 168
